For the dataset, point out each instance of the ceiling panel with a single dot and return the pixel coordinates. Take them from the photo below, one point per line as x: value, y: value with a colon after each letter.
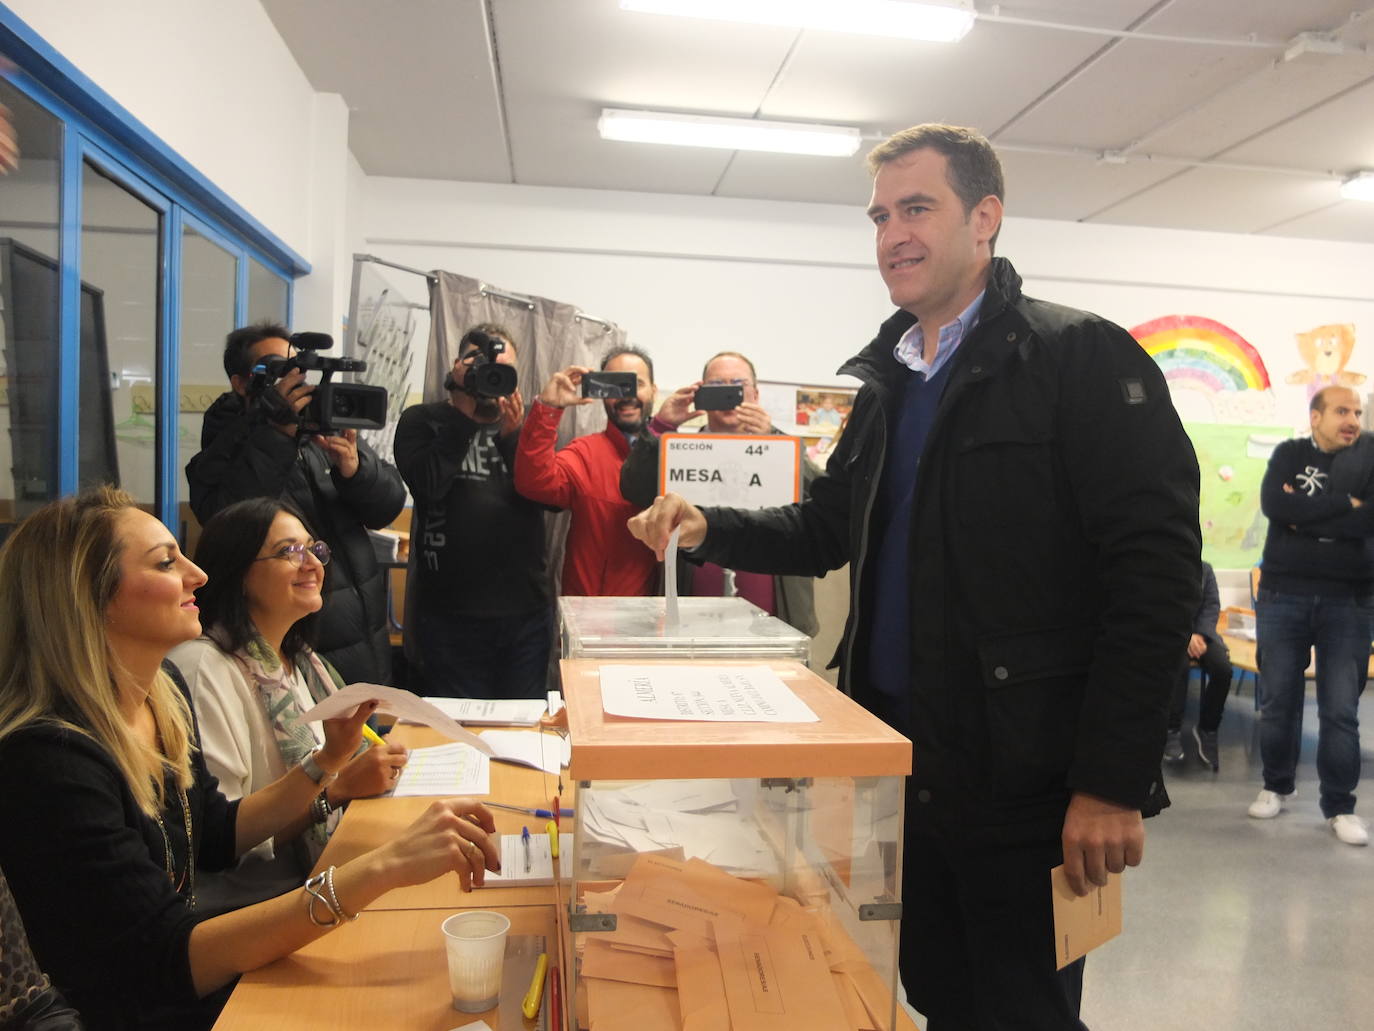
x: 1338, y: 135
x: 1070, y: 188
x: 1346, y: 220
x: 416, y: 78
x: 1222, y: 201
x: 789, y: 177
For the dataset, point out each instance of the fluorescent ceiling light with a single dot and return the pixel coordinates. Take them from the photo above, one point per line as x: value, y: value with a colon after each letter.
x: 1359, y: 186
x: 728, y: 133
x: 939, y: 21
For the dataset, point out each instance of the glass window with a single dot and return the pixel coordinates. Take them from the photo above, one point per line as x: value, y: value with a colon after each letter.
x: 120, y: 291
x: 208, y: 279
x: 266, y: 294
x: 29, y: 206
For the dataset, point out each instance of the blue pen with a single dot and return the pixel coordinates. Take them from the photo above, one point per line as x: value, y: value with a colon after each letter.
x: 525, y: 839
x: 542, y: 814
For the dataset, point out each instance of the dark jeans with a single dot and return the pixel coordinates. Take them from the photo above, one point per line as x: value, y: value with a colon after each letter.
x: 1215, y: 665
x: 1289, y: 626
x: 499, y: 657
x: 977, y: 938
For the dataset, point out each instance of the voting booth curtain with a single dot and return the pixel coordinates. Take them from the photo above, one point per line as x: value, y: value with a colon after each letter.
x: 549, y: 335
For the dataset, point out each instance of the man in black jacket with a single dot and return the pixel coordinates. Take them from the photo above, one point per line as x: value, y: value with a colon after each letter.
x: 478, y: 620
x: 1019, y: 506
x: 251, y: 447
x: 1317, y: 592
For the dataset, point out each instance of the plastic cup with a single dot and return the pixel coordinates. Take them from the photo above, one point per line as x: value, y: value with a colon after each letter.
x: 476, y: 944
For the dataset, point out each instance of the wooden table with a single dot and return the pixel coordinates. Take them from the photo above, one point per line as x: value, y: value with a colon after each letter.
x: 386, y: 972
x: 372, y: 822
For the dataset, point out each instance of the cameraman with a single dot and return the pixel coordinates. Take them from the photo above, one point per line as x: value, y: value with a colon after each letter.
x: 251, y: 446
x: 477, y: 612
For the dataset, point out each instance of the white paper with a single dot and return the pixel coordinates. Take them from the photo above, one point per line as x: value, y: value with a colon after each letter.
x: 444, y: 770
x: 395, y: 702
x: 671, y: 616
x: 682, y: 796
x: 541, y: 860
x: 718, y: 694
x: 490, y: 712
x: 547, y: 752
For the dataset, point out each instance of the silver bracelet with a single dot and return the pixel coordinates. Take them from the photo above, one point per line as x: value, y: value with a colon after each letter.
x: 312, y: 886
x: 338, y: 910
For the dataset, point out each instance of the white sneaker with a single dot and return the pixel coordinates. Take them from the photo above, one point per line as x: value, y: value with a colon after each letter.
x: 1350, y: 829
x: 1267, y: 806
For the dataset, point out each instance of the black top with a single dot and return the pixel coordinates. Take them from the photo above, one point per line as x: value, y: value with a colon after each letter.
x: 477, y: 547
x: 244, y: 456
x: 89, y: 873
x: 1318, y: 543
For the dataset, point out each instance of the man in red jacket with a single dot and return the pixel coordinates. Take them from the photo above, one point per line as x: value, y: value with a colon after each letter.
x: 600, y: 557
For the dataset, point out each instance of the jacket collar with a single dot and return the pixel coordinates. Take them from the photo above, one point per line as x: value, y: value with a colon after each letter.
x: 875, y: 364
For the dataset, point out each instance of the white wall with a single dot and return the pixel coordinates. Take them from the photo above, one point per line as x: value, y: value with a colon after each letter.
x: 794, y: 285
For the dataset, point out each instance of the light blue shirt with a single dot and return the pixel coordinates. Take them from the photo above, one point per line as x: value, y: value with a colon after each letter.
x: 911, y: 347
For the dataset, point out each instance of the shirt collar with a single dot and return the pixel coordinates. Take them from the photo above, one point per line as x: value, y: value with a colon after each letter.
x: 911, y: 347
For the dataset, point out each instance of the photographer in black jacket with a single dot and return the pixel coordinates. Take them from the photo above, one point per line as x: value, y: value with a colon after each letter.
x: 251, y: 447
x: 1018, y: 503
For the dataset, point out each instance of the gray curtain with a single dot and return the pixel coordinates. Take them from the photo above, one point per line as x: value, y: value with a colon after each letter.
x: 549, y: 336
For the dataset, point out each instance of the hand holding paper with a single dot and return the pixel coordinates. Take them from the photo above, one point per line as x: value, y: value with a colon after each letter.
x: 393, y: 702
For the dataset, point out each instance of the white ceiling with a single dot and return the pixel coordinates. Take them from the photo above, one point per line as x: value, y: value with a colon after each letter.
x: 509, y: 91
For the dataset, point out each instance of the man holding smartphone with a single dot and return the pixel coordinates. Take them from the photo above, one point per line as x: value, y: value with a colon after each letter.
x: 600, y: 557
x: 728, y: 393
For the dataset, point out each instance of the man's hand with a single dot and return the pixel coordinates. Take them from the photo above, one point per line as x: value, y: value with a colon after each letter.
x: 752, y: 419
x: 342, y: 452
x: 1100, y: 837
x: 656, y: 523
x: 512, y: 413
x: 296, y: 392
x: 564, y: 389
x: 677, y: 406
x: 1197, y: 644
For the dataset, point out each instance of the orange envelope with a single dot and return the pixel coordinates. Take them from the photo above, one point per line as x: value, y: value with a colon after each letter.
x: 701, y: 990
x: 1082, y: 923
x: 606, y: 961
x: 777, y: 979
x: 859, y: 1017
x: 683, y: 896
x: 617, y: 1006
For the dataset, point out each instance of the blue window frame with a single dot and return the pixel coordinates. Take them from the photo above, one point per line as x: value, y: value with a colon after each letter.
x: 101, y: 134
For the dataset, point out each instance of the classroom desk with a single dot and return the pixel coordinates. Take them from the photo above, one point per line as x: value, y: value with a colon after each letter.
x: 384, y: 972
x: 371, y: 822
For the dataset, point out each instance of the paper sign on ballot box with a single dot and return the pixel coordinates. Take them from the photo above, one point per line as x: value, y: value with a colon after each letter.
x: 737, y: 470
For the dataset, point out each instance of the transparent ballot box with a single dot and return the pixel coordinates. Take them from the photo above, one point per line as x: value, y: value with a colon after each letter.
x: 727, y: 873
x: 627, y: 628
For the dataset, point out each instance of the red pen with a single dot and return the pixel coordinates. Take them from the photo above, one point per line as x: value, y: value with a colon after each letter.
x: 555, y: 996
x: 556, y: 811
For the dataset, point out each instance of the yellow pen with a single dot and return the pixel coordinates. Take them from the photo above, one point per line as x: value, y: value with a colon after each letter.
x: 530, y: 1006
x: 552, y: 829
x: 371, y: 736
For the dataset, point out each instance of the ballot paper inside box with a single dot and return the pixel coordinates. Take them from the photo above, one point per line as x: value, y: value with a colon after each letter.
x: 706, y: 628
x: 741, y: 875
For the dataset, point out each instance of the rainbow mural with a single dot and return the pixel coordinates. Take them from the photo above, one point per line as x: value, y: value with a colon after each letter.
x: 1201, y: 354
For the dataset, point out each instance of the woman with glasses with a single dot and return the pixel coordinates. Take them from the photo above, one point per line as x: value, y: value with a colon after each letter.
x: 253, y: 673
x: 109, y: 818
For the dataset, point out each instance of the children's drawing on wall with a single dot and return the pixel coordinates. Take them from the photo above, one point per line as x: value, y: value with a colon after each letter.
x: 1222, y: 391
x: 1325, y: 352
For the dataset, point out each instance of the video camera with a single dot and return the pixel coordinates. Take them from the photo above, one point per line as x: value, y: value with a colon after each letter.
x: 485, y: 376
x: 333, y: 406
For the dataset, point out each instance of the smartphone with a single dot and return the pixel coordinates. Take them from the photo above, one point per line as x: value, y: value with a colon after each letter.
x: 610, y: 385
x: 720, y: 398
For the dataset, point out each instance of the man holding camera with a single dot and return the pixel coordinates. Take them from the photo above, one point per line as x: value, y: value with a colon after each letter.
x: 252, y: 446
x: 477, y: 606
x: 729, y: 395
x: 600, y: 556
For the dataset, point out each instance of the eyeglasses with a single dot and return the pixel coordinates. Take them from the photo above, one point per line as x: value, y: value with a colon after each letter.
x: 727, y: 383
x: 295, y: 553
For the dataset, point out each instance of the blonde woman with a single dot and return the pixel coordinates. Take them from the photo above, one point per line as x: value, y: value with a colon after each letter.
x: 107, y: 810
